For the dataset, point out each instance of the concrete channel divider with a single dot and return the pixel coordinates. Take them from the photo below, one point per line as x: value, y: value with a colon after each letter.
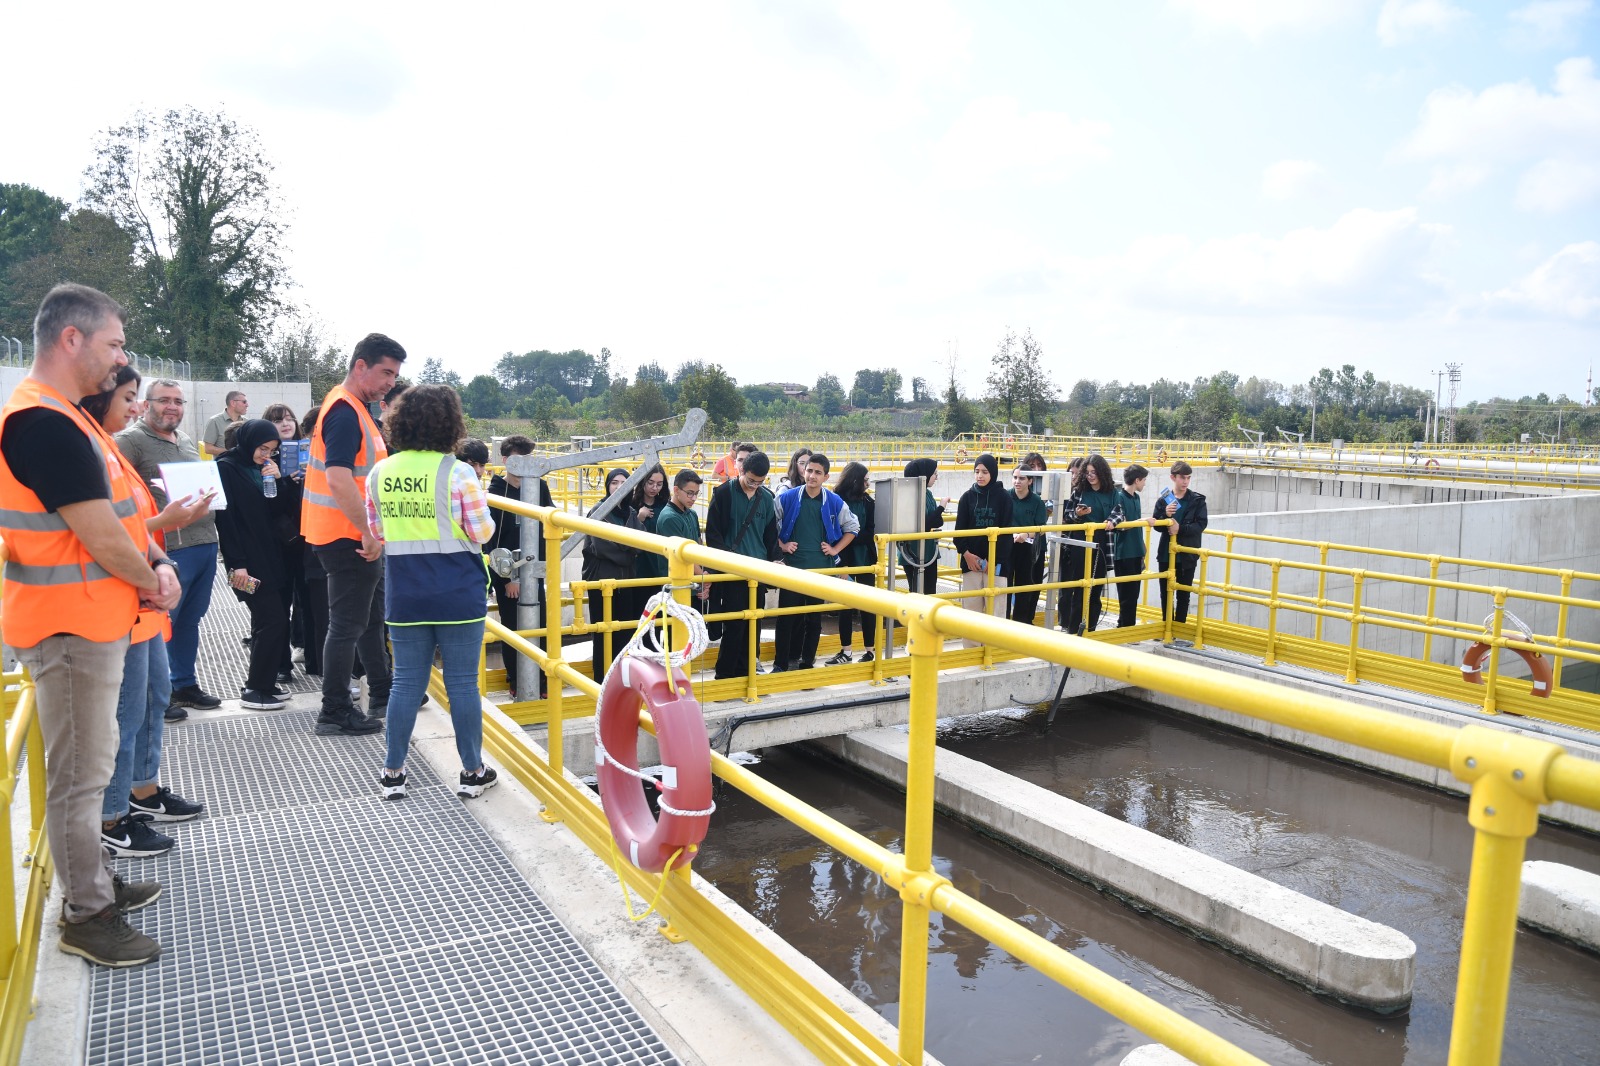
x: 1319, y: 946
x: 1563, y: 901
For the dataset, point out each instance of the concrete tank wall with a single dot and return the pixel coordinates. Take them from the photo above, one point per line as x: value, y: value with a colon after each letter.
x: 1561, y: 532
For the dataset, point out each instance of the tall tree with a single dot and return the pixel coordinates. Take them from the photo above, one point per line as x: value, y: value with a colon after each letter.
x: 828, y: 396
x: 194, y: 190
x: 90, y: 249
x: 1019, y: 386
x: 298, y: 351
x: 710, y: 387
x: 31, y: 222
x: 484, y: 397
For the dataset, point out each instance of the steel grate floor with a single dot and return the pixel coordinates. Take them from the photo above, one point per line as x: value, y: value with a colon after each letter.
x: 306, y: 920
x: 223, y: 663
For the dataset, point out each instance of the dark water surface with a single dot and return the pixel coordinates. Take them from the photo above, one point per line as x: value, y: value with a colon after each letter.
x: 1395, y: 853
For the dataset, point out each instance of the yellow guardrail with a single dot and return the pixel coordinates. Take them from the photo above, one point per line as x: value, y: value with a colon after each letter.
x: 20, y: 929
x: 1510, y: 777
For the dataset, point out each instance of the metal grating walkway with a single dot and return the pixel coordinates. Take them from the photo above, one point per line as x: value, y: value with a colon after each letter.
x: 305, y: 920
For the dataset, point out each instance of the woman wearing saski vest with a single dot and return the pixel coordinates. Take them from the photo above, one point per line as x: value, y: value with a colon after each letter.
x: 247, y: 532
x: 146, y: 685
x: 429, y: 510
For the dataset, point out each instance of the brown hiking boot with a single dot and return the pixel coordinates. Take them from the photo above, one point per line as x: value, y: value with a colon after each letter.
x: 108, y: 940
x: 128, y: 896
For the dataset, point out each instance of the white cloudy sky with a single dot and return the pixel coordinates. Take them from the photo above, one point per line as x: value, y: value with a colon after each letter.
x: 1154, y: 187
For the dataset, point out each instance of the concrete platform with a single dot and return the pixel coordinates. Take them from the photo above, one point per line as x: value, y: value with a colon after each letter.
x: 1326, y: 949
x: 1562, y: 901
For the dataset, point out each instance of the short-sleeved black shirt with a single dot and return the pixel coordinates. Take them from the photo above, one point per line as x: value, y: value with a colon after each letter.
x: 341, y: 435
x: 49, y: 454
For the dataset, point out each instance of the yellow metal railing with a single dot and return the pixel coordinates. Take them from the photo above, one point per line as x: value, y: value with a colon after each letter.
x: 1510, y: 778
x: 20, y: 926
x: 1324, y: 612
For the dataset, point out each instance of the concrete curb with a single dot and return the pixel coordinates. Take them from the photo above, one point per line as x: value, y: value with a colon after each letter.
x: 1328, y: 950
x: 1563, y: 901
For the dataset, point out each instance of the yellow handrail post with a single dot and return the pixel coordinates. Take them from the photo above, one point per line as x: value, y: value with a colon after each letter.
x: 989, y: 595
x: 918, y: 884
x: 753, y: 653
x: 1200, y: 600
x: 607, y: 589
x: 1350, y: 672
x: 883, y: 578
x: 1561, y: 629
x: 680, y: 574
x: 1171, y: 585
x: 1271, y: 658
x: 1322, y: 588
x: 1432, y: 619
x: 1508, y: 775
x: 1491, y: 682
x: 1227, y: 577
x: 35, y: 772
x: 554, y: 652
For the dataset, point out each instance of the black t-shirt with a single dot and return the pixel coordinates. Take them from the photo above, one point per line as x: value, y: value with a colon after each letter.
x: 341, y: 435
x: 49, y: 454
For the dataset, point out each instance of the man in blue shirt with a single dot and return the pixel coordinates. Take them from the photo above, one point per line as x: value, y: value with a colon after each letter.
x: 814, y: 526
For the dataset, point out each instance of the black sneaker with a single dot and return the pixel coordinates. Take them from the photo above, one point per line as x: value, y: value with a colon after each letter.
x: 259, y: 701
x: 842, y: 659
x: 346, y: 721
x: 393, y: 785
x: 378, y: 709
x: 174, y: 713
x: 476, y: 784
x: 195, y: 696
x: 165, y: 806
x: 108, y: 940
x: 867, y: 658
x: 285, y: 676
x: 127, y: 895
x: 134, y: 839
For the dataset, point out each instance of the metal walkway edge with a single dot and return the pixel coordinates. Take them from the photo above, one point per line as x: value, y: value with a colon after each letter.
x: 306, y: 920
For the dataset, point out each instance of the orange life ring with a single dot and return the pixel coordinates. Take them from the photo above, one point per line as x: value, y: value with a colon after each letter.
x: 698, y: 459
x: 1431, y: 464
x: 685, y: 784
x: 1472, y: 667
x: 1161, y: 456
x: 961, y: 455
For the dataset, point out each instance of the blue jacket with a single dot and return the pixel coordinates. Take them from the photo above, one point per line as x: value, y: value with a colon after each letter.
x: 832, y: 504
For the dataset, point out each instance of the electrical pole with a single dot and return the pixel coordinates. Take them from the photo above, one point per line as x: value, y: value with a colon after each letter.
x: 1454, y: 371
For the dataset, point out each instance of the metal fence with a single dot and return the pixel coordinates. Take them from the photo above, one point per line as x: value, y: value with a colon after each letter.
x: 19, y: 353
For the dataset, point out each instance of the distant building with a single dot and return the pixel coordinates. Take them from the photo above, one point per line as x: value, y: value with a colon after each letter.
x: 789, y: 389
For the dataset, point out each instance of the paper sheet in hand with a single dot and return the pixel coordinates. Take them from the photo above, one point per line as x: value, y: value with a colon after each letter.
x: 185, y: 481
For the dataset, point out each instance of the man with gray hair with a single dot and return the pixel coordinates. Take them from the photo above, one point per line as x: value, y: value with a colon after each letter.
x: 150, y: 441
x: 233, y: 411
x: 80, y: 567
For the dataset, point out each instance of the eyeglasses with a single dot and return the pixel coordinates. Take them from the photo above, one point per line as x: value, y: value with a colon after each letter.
x: 690, y: 492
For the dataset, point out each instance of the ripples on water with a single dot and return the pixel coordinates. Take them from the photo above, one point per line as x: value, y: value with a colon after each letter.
x: 1393, y: 852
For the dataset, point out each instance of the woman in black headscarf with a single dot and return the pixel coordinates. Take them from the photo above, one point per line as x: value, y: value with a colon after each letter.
x: 986, y: 505
x: 604, y: 559
x: 920, y: 558
x: 247, y: 531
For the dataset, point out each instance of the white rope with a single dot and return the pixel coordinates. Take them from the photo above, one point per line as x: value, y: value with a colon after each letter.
x: 1513, y: 621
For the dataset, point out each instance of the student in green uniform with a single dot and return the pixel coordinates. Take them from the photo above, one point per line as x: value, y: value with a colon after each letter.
x: 1028, y: 508
x: 920, y: 558
x: 814, y: 527
x: 1096, y: 500
x: 649, y: 496
x: 863, y: 551
x: 743, y: 520
x: 678, y: 518
x: 1130, y: 546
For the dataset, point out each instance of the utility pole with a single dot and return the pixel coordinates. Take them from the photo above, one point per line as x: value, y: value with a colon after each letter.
x: 1454, y: 371
x: 1150, y: 419
x: 1438, y: 396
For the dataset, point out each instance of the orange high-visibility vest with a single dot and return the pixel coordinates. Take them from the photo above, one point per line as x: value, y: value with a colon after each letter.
x: 321, y: 521
x: 52, y: 583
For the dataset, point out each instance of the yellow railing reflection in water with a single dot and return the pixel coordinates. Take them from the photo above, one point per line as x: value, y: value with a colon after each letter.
x: 1510, y: 778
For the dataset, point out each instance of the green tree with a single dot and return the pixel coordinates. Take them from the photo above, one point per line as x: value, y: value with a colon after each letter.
x: 434, y: 373
x: 828, y: 395
x: 919, y: 390
x: 194, y: 190
x: 710, y: 387
x: 1019, y: 387
x: 641, y: 403
x: 90, y: 249
x: 573, y: 374
x: 484, y: 397
x: 31, y: 224
x: 540, y: 408
x: 298, y: 351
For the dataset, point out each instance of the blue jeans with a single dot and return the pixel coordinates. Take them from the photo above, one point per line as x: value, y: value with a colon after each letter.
x: 459, y: 647
x: 141, y: 717
x: 197, y: 572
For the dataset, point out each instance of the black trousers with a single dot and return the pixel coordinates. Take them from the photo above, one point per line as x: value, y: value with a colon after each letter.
x: 733, y: 656
x: 269, y: 633
x: 798, y: 634
x: 925, y: 579
x: 506, y: 608
x: 1027, y: 568
x: 849, y: 617
x: 355, y: 627
x: 314, y: 609
x: 1128, y: 591
x: 1185, y: 568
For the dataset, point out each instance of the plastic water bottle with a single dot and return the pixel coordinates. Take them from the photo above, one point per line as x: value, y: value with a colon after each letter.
x: 269, y: 487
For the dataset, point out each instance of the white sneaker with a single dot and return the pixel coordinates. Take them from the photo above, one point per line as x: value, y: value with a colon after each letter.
x: 298, y: 655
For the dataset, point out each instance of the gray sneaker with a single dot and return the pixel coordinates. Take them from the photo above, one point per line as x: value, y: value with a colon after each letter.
x: 128, y: 895
x: 107, y: 939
